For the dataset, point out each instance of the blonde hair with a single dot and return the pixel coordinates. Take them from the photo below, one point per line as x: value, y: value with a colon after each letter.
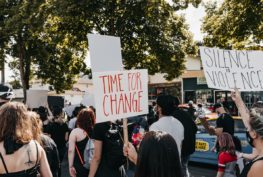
x: 256, y: 120
x: 36, y: 125
x: 14, y: 123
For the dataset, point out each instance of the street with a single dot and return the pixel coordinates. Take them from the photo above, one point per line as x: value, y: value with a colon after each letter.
x: 196, y: 170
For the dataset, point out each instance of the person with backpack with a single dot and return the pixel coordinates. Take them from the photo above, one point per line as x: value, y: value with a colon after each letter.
x: 108, y: 159
x: 78, y: 139
x: 190, y: 129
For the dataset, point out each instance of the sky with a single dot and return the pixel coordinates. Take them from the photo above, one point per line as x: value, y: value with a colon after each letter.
x: 193, y: 18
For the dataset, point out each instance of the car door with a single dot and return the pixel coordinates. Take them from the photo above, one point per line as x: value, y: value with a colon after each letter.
x: 204, y: 144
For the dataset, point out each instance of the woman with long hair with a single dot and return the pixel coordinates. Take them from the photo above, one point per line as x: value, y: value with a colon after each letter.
x: 253, y: 121
x: 46, y: 142
x: 227, y: 156
x: 157, y: 157
x: 20, y: 154
x: 77, y: 141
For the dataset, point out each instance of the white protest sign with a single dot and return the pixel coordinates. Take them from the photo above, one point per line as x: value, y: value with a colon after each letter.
x: 120, y: 94
x: 227, y: 69
x: 105, y: 53
x: 36, y: 98
x: 88, y: 100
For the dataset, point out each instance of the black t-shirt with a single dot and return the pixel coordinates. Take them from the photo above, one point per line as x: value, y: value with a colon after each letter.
x: 226, y: 122
x: 99, y: 133
x: 190, y: 129
x: 58, y: 132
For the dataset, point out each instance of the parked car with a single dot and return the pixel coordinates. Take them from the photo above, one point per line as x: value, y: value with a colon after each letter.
x: 205, y: 142
x: 208, y: 112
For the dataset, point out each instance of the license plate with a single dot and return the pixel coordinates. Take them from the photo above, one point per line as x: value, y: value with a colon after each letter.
x: 201, y: 145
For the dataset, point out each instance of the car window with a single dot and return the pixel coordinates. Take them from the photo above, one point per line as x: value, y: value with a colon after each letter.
x: 239, y: 126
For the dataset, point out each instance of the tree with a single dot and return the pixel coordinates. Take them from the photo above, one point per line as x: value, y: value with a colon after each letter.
x: 152, y: 35
x: 234, y: 24
x: 22, y: 26
x: 50, y: 36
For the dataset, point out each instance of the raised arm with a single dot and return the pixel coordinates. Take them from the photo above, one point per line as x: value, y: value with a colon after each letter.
x: 244, y: 112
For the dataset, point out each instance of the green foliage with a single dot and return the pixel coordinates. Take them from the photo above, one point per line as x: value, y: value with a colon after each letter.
x: 234, y: 25
x: 152, y: 35
x: 49, y: 37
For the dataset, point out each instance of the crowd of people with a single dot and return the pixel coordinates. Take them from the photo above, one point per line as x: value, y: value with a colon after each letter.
x: 35, y: 142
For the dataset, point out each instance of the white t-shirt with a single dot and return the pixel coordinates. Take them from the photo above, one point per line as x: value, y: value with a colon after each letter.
x: 72, y: 123
x: 172, y: 126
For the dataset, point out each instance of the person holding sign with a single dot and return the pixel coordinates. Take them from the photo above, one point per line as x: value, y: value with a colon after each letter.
x: 253, y: 121
x: 108, y: 159
x: 157, y: 157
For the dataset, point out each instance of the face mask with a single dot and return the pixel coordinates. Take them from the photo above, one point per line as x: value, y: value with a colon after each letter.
x: 249, y: 139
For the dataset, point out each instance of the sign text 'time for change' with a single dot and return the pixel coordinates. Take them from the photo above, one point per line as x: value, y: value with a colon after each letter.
x: 227, y: 69
x: 120, y: 94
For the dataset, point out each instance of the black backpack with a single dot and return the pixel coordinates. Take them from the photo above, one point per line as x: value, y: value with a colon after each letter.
x: 114, y: 147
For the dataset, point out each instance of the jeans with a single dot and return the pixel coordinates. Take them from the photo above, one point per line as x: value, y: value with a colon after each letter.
x: 184, y: 162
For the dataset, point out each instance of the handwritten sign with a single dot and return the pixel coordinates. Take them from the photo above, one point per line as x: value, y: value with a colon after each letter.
x: 36, y: 98
x: 105, y: 53
x: 120, y: 94
x: 227, y: 69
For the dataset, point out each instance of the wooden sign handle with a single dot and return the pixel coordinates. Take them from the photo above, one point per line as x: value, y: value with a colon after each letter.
x: 125, y: 131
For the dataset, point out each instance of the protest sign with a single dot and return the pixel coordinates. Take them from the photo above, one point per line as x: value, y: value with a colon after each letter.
x: 105, y: 53
x: 36, y: 98
x: 120, y: 94
x: 88, y: 100
x: 229, y: 69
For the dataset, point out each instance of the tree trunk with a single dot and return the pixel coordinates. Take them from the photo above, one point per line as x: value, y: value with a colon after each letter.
x: 21, y: 66
x: 3, y: 73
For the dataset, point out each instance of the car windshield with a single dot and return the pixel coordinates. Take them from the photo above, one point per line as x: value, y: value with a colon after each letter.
x: 239, y: 126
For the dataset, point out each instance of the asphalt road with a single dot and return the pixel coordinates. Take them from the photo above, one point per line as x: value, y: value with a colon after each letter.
x: 196, y: 170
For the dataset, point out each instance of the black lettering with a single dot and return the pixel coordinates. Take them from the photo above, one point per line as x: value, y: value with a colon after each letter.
x: 224, y: 57
x: 239, y: 58
x: 246, y: 80
x: 215, y: 58
x: 212, y: 78
x: 206, y: 50
x: 233, y: 60
x: 227, y: 81
x: 248, y: 61
x: 252, y: 78
x: 222, y: 78
x: 259, y: 78
x: 234, y: 78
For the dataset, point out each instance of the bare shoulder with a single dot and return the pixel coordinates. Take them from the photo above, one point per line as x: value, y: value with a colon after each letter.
x: 256, y: 169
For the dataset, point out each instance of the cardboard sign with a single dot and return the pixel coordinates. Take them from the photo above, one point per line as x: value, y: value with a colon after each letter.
x: 36, y: 98
x: 105, y: 53
x: 120, y: 94
x: 227, y: 69
x: 88, y: 100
